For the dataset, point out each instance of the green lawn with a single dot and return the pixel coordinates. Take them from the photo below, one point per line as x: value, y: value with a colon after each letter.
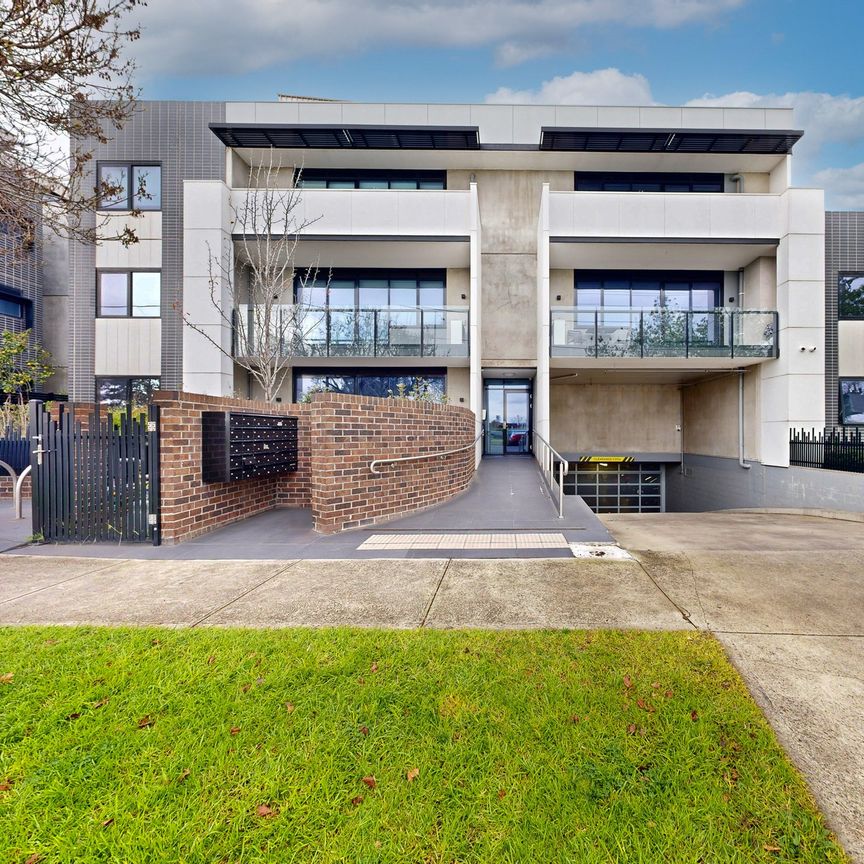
x: 361, y: 746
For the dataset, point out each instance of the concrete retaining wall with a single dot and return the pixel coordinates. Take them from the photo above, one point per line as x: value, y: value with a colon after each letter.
x: 713, y: 483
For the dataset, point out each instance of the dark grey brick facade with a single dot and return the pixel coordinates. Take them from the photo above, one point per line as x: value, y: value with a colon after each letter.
x: 844, y: 251
x: 177, y: 135
x: 23, y: 273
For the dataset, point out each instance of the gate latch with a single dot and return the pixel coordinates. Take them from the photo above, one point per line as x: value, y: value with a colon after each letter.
x: 39, y: 449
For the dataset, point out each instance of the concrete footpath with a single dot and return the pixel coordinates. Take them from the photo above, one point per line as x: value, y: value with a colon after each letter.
x: 782, y: 593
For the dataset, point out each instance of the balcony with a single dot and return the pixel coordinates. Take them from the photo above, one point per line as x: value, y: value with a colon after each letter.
x: 311, y: 331
x: 617, y: 230
x: 647, y: 334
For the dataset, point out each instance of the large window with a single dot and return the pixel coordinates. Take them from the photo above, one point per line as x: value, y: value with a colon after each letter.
x: 371, y: 289
x: 129, y: 294
x: 13, y: 305
x: 127, y: 186
x: 374, y: 382
x: 852, y: 401
x: 131, y: 393
x: 340, y: 178
x: 676, y: 290
x: 850, y: 298
x: 615, y: 181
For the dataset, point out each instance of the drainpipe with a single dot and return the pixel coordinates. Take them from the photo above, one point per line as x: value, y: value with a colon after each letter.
x: 741, y: 461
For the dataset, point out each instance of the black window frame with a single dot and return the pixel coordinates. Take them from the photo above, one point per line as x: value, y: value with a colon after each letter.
x: 394, y: 274
x: 662, y: 179
x: 130, y: 191
x: 10, y: 295
x: 344, y: 175
x: 128, y: 272
x: 127, y: 381
x: 840, y: 382
x: 845, y: 316
x: 370, y: 371
x: 660, y: 276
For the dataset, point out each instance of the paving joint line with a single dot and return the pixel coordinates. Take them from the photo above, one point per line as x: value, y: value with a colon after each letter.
x: 114, y: 562
x: 244, y: 593
x: 684, y: 612
x: 435, y: 592
x: 787, y: 633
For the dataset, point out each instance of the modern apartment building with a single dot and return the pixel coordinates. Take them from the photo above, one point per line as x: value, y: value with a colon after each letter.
x: 643, y: 288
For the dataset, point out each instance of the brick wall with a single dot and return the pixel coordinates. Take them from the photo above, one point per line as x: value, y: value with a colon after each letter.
x: 350, y: 431
x: 7, y: 484
x: 337, y: 438
x: 191, y: 507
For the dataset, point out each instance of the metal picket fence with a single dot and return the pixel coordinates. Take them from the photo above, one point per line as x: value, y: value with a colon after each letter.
x: 95, y: 476
x: 835, y: 449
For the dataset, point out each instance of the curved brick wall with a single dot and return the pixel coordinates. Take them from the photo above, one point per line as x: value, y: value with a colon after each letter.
x: 338, y: 436
x: 348, y: 432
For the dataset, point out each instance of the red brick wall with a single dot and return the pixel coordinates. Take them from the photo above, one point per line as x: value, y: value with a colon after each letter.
x: 7, y: 484
x: 348, y: 432
x: 338, y: 436
x: 191, y: 507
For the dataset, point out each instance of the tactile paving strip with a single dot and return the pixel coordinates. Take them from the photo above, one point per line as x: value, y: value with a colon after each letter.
x: 525, y: 540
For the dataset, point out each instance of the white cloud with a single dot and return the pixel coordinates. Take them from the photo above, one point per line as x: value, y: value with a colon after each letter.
x: 601, y: 87
x: 844, y: 187
x: 200, y: 36
x: 824, y: 117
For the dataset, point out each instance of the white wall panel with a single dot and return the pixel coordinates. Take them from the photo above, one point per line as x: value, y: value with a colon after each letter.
x: 128, y: 346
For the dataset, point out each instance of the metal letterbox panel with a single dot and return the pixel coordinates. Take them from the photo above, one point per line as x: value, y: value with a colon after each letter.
x: 241, y: 446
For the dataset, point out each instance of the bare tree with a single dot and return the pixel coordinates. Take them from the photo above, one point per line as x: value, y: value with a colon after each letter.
x: 252, y: 280
x: 63, y: 80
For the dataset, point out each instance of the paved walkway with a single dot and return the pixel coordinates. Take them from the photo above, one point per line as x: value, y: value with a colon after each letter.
x: 507, y: 495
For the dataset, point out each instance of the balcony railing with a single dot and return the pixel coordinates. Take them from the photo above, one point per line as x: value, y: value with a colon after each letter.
x: 602, y: 333
x: 312, y: 331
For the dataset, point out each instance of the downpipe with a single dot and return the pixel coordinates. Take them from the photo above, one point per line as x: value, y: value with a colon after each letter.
x: 741, y: 460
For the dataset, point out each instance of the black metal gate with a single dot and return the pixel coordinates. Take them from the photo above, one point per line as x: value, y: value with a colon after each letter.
x: 95, y: 476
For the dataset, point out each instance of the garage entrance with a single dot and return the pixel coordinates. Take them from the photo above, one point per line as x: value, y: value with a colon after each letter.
x: 618, y: 487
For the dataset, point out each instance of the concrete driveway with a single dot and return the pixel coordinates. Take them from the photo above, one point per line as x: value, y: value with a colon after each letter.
x: 782, y: 593
x: 785, y: 596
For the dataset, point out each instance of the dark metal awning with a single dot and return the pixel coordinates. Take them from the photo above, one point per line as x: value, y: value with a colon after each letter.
x: 333, y: 137
x: 669, y: 140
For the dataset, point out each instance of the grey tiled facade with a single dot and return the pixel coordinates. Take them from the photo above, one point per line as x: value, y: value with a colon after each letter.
x: 177, y: 135
x: 22, y: 272
x: 844, y: 251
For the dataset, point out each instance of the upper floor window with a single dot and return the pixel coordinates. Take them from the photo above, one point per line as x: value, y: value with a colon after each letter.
x: 134, y: 393
x: 375, y: 290
x: 850, y: 296
x: 646, y: 289
x: 616, y: 181
x: 339, y: 178
x: 852, y: 401
x: 12, y: 305
x: 129, y: 294
x: 128, y: 186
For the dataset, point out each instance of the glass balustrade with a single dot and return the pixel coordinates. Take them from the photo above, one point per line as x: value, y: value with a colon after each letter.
x: 622, y: 332
x: 314, y: 331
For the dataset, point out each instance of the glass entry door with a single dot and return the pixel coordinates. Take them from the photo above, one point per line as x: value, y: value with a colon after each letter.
x: 508, y: 417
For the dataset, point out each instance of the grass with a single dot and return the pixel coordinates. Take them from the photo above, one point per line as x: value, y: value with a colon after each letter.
x: 252, y: 746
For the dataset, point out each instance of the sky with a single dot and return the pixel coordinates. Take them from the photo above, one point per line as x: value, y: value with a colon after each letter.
x: 787, y: 53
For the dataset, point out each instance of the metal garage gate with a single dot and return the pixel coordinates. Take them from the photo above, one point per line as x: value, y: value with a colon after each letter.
x: 618, y: 487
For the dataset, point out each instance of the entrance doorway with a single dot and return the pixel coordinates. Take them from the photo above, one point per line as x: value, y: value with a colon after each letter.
x: 508, y: 416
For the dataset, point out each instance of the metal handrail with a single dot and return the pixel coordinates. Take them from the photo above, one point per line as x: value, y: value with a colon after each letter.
x: 442, y: 453
x: 546, y: 456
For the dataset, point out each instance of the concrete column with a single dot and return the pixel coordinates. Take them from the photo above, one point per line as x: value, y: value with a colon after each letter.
x: 206, y: 233
x: 475, y: 386
x: 793, y: 386
x: 541, y: 383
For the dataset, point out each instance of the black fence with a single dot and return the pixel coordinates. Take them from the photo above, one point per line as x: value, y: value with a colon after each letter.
x: 14, y: 448
x: 836, y: 449
x: 95, y: 476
